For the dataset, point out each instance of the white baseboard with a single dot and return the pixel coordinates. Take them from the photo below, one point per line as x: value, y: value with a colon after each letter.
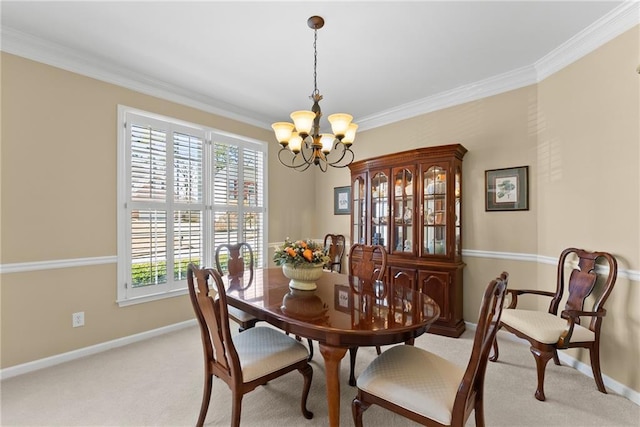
x: 609, y: 382
x: 87, y: 351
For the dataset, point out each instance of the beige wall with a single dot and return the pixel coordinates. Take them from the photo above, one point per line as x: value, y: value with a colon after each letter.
x: 58, y: 179
x: 589, y: 181
x: 578, y: 131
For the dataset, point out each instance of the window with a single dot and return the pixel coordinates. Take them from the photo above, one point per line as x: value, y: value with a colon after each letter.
x: 183, y: 189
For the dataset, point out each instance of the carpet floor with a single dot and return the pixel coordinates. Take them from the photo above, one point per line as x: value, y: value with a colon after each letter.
x: 158, y: 382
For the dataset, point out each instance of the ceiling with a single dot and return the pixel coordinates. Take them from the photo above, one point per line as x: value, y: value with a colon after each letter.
x: 253, y: 61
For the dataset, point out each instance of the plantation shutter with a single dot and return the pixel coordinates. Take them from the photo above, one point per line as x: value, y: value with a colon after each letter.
x: 183, y: 189
x: 238, y: 196
x: 165, y: 226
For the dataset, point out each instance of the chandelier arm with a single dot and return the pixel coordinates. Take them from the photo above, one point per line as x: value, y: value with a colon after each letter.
x: 335, y: 149
x: 349, y: 162
x: 336, y: 164
x: 320, y: 165
x: 307, y: 146
x: 301, y: 167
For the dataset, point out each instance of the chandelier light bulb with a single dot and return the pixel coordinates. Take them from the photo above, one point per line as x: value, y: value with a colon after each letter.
x: 295, y: 143
x: 283, y: 131
x: 303, y: 121
x: 340, y: 123
x: 350, y: 134
x: 326, y: 139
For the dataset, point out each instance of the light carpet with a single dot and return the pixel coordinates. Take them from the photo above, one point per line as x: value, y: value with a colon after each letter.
x: 158, y: 382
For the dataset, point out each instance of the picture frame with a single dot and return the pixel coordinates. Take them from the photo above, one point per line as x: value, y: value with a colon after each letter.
x: 342, y: 200
x: 341, y: 298
x: 507, y: 189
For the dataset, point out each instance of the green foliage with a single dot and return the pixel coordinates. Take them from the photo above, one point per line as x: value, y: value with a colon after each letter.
x: 153, y: 273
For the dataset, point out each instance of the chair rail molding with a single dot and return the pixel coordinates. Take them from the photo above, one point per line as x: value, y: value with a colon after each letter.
x: 22, y: 267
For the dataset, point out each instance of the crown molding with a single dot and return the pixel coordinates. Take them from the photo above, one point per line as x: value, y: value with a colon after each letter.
x: 27, y: 46
x: 495, y: 85
x: 600, y: 32
x: 605, y: 29
x: 610, y: 26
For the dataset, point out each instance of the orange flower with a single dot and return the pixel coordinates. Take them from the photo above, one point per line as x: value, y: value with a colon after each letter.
x: 291, y: 252
x: 302, y: 244
x: 308, y: 254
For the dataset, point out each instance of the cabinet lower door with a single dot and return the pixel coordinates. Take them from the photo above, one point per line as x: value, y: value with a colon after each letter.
x: 435, y: 284
x: 403, y: 277
x: 445, y: 288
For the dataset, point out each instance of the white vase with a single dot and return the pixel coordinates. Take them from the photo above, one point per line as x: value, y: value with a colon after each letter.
x: 303, y: 276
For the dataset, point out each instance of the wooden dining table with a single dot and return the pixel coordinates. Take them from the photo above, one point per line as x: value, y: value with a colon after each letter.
x: 343, y: 312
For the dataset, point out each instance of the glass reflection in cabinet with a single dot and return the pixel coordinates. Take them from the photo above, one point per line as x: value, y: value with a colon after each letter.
x: 359, y: 212
x: 379, y: 208
x: 435, y: 209
x: 457, y: 212
x: 403, y: 210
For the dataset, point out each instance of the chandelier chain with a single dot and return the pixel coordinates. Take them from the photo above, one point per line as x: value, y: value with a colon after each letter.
x: 315, y: 62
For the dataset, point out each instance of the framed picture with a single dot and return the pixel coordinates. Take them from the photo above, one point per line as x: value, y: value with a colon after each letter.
x: 342, y: 200
x: 341, y: 298
x: 507, y: 189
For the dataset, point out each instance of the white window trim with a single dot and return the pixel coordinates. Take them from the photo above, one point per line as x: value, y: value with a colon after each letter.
x: 124, y: 297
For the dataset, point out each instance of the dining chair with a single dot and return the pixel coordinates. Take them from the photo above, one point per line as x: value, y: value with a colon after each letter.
x: 233, y: 259
x: 334, y: 244
x: 546, y: 331
x: 368, y: 263
x: 243, y: 361
x: 427, y: 388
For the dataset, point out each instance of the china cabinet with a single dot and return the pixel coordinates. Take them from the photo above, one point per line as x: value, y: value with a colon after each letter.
x: 411, y: 203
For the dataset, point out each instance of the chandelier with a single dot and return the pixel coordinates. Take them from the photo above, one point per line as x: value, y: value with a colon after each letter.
x: 302, y: 144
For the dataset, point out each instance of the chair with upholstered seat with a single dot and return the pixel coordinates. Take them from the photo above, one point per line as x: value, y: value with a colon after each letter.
x: 233, y: 259
x: 334, y: 244
x: 368, y: 263
x: 546, y: 331
x: 243, y: 361
x: 427, y: 388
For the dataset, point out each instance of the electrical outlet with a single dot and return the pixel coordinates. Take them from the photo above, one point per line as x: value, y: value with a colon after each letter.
x: 77, y: 319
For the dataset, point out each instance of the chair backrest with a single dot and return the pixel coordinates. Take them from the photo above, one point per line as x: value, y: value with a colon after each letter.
x: 472, y: 382
x: 238, y: 256
x: 210, y: 306
x: 334, y: 244
x: 367, y: 262
x: 582, y: 282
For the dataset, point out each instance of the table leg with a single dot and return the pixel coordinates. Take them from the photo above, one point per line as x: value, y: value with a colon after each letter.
x: 332, y: 357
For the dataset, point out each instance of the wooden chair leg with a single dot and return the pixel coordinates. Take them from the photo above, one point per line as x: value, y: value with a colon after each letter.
x: 479, y: 413
x: 206, y: 398
x: 310, y: 349
x: 236, y: 408
x: 542, y: 358
x: 352, y: 358
x: 494, y: 356
x: 357, y: 409
x: 594, y: 352
x: 378, y: 350
x: 556, y: 359
x: 307, y: 373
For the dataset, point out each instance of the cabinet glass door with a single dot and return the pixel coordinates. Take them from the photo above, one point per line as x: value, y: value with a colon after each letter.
x: 358, y: 210
x: 435, y: 211
x: 379, y: 209
x: 458, y: 210
x: 403, y: 210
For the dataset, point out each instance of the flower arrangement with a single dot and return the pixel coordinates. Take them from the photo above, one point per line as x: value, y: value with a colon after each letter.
x: 300, y: 253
